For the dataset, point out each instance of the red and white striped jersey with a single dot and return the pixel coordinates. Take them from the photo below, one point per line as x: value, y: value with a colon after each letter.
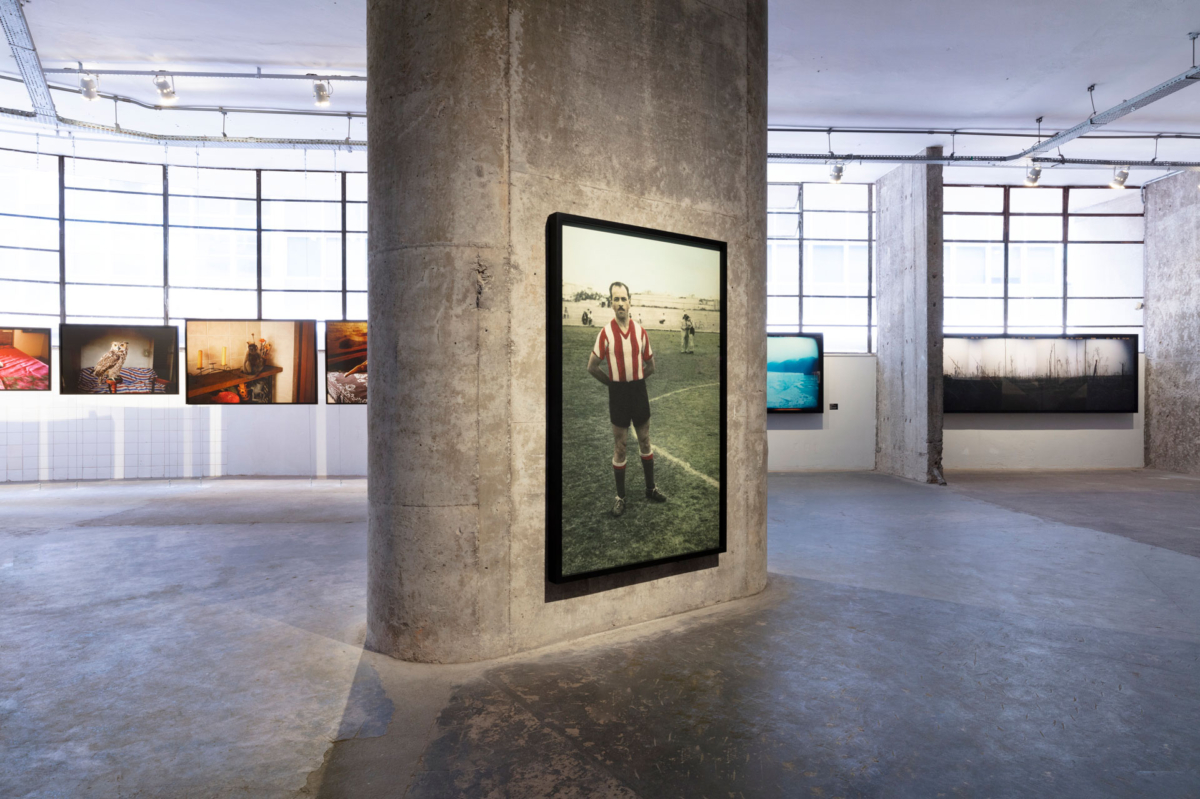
x: 625, y: 352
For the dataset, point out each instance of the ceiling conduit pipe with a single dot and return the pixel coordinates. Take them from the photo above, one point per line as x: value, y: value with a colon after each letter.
x: 16, y: 31
x: 1094, y: 122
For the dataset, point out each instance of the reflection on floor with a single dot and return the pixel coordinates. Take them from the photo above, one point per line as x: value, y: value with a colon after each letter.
x: 1032, y: 635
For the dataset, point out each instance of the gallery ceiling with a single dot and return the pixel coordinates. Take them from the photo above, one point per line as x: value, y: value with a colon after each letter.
x: 863, y: 63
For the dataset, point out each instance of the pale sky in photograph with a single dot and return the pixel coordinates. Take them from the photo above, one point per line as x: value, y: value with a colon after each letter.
x: 596, y: 258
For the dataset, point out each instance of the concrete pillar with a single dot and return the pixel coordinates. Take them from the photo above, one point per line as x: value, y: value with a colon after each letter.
x: 485, y: 117
x: 1172, y: 324
x: 908, y: 436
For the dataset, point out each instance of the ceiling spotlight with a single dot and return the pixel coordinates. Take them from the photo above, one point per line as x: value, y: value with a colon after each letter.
x: 166, y: 88
x: 322, y: 91
x: 1032, y: 175
x: 835, y: 173
x: 89, y: 86
x: 1119, y: 177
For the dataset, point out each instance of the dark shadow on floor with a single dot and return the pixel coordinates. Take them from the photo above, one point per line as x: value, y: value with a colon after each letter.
x: 834, y: 691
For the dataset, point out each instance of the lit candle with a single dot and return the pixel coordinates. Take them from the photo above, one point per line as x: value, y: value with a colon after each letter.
x: 224, y: 356
x: 199, y: 359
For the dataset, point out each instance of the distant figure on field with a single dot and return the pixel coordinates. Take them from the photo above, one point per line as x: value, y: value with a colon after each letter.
x: 687, y: 335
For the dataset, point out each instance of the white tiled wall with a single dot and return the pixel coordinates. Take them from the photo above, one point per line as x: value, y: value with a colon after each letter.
x: 45, y: 436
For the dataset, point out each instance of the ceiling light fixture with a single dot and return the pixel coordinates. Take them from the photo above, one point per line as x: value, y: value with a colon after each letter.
x: 835, y: 174
x: 89, y: 86
x: 166, y: 88
x: 1031, y: 176
x: 1119, y: 177
x: 322, y: 91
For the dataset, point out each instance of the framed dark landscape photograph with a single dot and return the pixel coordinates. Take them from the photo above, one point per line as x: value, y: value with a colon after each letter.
x: 118, y: 359
x: 636, y: 393
x: 795, y: 372
x: 251, y: 362
x: 25, y: 359
x: 1041, y: 374
x: 346, y: 363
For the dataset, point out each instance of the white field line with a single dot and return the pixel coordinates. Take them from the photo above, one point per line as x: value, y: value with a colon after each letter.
x: 687, y: 467
x: 678, y: 390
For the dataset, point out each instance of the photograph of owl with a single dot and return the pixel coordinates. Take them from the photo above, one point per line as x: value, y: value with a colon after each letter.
x: 110, y: 363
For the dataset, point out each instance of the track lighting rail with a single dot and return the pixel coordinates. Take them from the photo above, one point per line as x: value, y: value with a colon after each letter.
x: 183, y: 74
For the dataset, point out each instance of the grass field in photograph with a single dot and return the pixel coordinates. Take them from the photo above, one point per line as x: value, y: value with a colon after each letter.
x: 685, y: 435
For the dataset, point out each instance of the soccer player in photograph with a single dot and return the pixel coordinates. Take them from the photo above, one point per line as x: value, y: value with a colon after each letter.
x: 624, y: 346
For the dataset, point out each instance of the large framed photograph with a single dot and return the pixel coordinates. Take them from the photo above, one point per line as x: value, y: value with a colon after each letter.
x: 636, y: 392
x: 24, y: 359
x: 118, y: 359
x: 251, y: 362
x: 795, y: 373
x: 1040, y: 374
x: 346, y: 363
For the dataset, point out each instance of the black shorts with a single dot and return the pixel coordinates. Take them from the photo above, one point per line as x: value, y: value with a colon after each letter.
x: 628, y: 402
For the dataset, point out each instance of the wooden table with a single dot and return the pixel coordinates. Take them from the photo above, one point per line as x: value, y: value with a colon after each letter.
x: 226, y: 378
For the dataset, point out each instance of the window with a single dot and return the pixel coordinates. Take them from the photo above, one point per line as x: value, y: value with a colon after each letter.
x: 820, y: 262
x: 29, y: 239
x: 144, y: 242
x: 1042, y: 260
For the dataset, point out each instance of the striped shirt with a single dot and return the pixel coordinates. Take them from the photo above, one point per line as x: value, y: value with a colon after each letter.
x: 625, y: 352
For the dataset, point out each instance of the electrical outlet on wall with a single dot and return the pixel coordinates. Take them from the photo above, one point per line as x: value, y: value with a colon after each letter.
x: 833, y: 406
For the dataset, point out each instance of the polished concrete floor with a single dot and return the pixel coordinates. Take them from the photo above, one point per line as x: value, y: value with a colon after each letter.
x: 1009, y: 635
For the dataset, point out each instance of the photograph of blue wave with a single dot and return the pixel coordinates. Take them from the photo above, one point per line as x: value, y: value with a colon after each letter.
x: 793, y: 373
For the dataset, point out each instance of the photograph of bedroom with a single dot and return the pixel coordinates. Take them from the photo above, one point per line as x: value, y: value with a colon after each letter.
x: 25, y: 359
x: 346, y: 363
x: 239, y: 362
x: 119, y: 359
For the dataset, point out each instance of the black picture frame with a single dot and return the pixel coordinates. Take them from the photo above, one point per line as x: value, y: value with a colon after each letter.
x: 342, y: 352
x: 8, y: 338
x: 556, y: 312
x: 163, y: 355
x: 304, y: 360
x: 1071, y: 392
x: 819, y: 338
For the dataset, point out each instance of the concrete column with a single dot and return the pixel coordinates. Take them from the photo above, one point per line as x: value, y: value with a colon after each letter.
x: 485, y: 117
x: 908, y: 436
x: 1172, y: 324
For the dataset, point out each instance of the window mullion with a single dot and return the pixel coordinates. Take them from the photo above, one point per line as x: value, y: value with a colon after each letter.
x: 62, y: 239
x: 800, y: 257
x: 166, y: 229
x: 344, y: 246
x: 258, y: 227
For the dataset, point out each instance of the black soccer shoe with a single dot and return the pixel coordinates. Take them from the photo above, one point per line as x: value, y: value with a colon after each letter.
x: 654, y: 495
x: 618, y: 508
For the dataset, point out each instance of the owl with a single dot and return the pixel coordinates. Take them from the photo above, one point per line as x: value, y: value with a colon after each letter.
x: 110, y: 363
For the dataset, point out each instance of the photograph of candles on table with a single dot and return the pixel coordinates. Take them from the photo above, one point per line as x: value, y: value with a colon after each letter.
x: 259, y: 362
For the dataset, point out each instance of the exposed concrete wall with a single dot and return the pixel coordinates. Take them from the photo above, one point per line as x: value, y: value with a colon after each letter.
x: 1172, y: 324
x: 908, y: 438
x: 485, y: 118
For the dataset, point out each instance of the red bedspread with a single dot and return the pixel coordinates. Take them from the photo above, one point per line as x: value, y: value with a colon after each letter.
x: 19, y: 372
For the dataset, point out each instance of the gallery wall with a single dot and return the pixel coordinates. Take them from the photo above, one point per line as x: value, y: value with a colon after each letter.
x: 844, y: 439
x: 48, y: 436
x: 835, y: 440
x: 1047, y: 440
